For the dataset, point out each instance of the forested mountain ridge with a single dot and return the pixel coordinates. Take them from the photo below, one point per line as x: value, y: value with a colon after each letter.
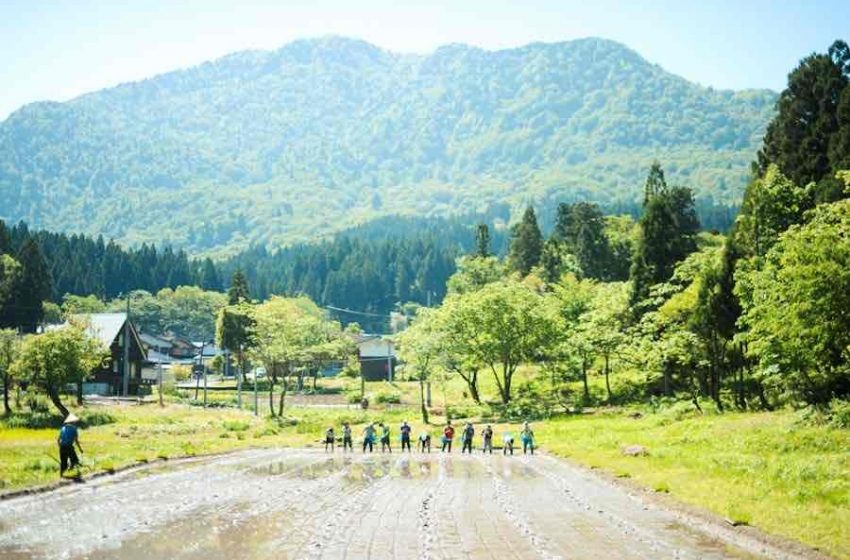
x: 276, y: 147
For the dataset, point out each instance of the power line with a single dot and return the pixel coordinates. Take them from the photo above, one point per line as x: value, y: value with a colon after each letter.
x: 353, y: 312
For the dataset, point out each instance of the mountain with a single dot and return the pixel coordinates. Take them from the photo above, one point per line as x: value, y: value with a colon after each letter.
x: 284, y: 146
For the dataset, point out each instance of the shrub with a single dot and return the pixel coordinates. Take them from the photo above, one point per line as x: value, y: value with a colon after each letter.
x: 839, y: 414
x: 388, y: 395
x: 96, y: 418
x: 530, y: 403
x: 235, y: 425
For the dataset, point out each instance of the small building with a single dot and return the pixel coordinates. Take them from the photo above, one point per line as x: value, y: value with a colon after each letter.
x: 155, y: 343
x: 377, y: 357
x: 108, y: 379
x: 181, y: 348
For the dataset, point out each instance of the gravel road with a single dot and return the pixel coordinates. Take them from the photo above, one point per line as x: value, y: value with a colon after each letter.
x: 307, y: 504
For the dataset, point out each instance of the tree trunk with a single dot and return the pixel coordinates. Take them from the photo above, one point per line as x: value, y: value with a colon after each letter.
x: 79, y: 393
x: 607, y: 383
x: 282, y: 397
x: 54, y: 398
x: 271, y: 395
x: 7, y: 410
x: 584, y: 380
x: 472, y: 383
x: 507, y: 370
x: 422, y: 400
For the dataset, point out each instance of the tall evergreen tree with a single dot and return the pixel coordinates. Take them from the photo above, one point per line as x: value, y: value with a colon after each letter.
x: 209, y: 278
x: 655, y: 183
x: 526, y: 243
x: 34, y: 288
x: 5, y: 239
x: 799, y: 138
x: 668, y: 231
x: 482, y: 241
x: 238, y: 291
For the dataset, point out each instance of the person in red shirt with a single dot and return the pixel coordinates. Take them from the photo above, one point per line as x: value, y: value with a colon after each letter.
x: 448, y: 436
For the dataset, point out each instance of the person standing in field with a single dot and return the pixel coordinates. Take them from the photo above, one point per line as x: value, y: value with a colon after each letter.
x: 346, y: 438
x: 369, y: 438
x: 330, y: 439
x: 385, y: 437
x: 527, y: 438
x: 448, y: 436
x: 487, y: 435
x: 466, y: 438
x: 69, y: 436
x: 405, y: 436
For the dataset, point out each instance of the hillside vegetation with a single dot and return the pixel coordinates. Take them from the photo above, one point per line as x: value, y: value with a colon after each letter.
x: 275, y: 147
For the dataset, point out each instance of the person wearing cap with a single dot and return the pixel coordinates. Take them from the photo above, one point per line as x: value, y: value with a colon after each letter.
x: 68, y: 437
x: 405, y: 435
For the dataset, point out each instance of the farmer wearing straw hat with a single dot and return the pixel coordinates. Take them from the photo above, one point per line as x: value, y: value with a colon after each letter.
x: 68, y: 437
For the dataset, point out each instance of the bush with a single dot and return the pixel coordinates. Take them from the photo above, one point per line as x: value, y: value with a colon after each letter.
x: 531, y: 402
x: 388, y: 395
x: 839, y: 414
x: 235, y: 425
x: 95, y: 418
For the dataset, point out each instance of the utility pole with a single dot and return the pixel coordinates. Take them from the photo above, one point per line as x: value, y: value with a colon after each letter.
x: 159, y: 381
x: 239, y: 380
x: 256, y: 402
x: 126, y: 356
x: 205, y: 375
x: 389, y: 360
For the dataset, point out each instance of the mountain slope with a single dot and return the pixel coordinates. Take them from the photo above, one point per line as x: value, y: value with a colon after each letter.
x: 282, y: 146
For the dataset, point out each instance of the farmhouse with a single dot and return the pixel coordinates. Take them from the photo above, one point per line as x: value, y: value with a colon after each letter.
x: 377, y: 357
x: 109, y: 329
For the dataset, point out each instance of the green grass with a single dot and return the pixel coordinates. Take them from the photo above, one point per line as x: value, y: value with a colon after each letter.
x: 762, y: 469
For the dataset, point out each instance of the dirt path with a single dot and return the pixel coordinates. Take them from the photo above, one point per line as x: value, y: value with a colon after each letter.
x: 306, y: 504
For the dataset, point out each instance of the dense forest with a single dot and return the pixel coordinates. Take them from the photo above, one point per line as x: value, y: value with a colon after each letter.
x: 752, y: 320
x: 273, y: 148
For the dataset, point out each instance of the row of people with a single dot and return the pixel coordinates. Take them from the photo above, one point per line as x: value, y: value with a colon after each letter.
x: 381, y: 433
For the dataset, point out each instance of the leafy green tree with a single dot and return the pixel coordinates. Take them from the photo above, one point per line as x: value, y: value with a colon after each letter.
x: 504, y: 325
x: 34, y: 287
x: 794, y: 308
x: 74, y: 305
x: 473, y: 273
x: 581, y: 227
x: 238, y: 291
x: 9, y: 347
x: 602, y: 326
x: 526, y: 243
x: 57, y: 358
x: 421, y: 346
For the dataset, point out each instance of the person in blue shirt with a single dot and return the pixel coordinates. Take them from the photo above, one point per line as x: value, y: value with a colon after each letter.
x: 69, y: 436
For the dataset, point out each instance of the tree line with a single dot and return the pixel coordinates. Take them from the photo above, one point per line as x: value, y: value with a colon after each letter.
x: 755, y: 319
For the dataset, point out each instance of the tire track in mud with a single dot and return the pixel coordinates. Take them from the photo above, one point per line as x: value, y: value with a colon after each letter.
x: 427, y: 513
x: 102, y: 516
x: 510, y: 507
x: 626, y: 528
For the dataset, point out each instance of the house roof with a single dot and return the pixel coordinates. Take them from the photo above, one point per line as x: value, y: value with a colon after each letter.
x: 155, y: 357
x: 153, y: 340
x: 105, y: 327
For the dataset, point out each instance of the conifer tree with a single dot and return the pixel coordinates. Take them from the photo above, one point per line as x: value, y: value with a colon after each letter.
x: 527, y: 243
x: 482, y: 241
x: 238, y: 291
x: 34, y: 287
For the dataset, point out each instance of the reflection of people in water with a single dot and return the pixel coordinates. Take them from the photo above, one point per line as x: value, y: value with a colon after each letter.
x: 404, y: 468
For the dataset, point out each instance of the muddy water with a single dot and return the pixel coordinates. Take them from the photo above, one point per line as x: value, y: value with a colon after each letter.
x: 306, y: 504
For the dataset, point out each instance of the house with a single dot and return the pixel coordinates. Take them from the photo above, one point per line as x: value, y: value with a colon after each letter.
x: 156, y: 343
x: 108, y: 378
x: 181, y: 348
x: 377, y: 357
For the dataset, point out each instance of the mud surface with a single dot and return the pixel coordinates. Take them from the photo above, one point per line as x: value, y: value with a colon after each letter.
x: 306, y: 504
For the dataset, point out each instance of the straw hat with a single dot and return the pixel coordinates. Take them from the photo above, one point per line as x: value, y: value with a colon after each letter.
x: 71, y: 419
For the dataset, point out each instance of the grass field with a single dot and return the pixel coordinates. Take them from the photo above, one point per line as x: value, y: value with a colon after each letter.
x: 771, y: 470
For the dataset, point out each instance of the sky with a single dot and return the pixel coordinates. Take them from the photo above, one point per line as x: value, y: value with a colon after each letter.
x: 59, y: 49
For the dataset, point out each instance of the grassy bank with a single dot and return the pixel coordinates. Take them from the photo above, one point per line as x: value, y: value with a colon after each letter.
x: 765, y: 469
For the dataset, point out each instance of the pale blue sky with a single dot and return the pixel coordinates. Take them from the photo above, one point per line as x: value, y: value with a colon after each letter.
x: 62, y: 48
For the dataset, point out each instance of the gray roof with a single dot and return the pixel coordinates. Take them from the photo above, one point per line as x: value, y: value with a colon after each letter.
x: 103, y: 326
